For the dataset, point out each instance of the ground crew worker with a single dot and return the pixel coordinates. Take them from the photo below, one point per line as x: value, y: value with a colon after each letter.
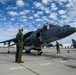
x: 57, y: 46
x: 19, y: 45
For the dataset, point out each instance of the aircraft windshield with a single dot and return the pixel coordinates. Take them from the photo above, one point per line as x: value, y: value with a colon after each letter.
x: 67, y: 26
x: 51, y: 25
x: 46, y: 25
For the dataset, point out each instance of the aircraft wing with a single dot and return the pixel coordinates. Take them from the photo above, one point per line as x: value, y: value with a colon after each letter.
x: 8, y: 41
x: 14, y: 39
x: 50, y: 45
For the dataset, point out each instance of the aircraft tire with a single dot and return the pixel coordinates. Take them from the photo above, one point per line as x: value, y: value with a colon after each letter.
x: 40, y: 52
x: 27, y: 52
x: 8, y: 52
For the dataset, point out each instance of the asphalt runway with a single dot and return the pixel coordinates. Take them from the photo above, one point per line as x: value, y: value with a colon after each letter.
x: 51, y: 63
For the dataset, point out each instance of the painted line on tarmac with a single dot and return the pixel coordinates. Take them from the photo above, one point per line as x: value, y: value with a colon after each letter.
x: 63, y: 61
x: 45, y: 64
x: 14, y: 68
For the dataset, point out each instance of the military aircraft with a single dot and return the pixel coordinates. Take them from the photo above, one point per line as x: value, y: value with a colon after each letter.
x: 45, y: 34
x: 74, y: 43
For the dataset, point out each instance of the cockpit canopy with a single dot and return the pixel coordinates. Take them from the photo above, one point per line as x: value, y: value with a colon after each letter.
x: 46, y: 26
x: 67, y: 26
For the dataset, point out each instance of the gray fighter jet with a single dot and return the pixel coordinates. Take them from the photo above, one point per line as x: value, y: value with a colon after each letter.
x: 74, y: 43
x: 36, y: 40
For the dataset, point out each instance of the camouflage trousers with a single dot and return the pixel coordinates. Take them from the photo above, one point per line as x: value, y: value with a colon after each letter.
x: 19, y: 53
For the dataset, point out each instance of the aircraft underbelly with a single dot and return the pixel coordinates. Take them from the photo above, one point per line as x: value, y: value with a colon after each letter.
x: 51, y: 39
x: 27, y: 48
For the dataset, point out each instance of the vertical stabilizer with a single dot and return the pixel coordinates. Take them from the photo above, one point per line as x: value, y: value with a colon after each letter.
x: 74, y: 43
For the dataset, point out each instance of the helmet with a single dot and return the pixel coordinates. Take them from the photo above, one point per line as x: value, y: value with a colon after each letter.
x: 20, y: 29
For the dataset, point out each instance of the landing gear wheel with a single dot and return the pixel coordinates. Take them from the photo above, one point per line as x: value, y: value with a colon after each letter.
x: 8, y: 52
x: 40, y: 52
x: 27, y: 52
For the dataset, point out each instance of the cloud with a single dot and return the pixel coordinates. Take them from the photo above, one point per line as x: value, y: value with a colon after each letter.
x: 23, y: 17
x: 38, y: 4
x: 12, y: 19
x: 53, y: 6
x: 3, y: 1
x: 36, y: 15
x: 46, y: 1
x: 62, y: 12
x: 8, y: 33
x: 44, y: 19
x: 40, y: 12
x: 70, y: 16
x: 47, y: 10
x: 12, y: 13
x: 63, y: 16
x: 68, y: 5
x: 31, y: 17
x: 61, y: 1
x: 11, y: 7
x: 24, y: 12
x: 2, y: 18
x: 20, y: 3
x: 31, y: 28
x: 53, y: 16
x: 38, y: 19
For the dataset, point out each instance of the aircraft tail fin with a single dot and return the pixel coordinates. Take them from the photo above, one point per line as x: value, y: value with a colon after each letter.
x: 74, y: 43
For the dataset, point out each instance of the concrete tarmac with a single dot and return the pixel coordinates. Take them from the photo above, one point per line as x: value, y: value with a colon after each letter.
x: 51, y: 63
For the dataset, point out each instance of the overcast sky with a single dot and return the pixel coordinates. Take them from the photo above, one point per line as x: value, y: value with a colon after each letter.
x: 30, y: 14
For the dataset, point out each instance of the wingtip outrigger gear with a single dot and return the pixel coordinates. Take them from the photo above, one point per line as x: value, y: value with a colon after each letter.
x: 8, y: 49
x: 40, y: 53
x: 8, y: 52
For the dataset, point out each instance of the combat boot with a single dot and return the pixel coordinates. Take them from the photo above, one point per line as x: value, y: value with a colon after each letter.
x: 20, y: 62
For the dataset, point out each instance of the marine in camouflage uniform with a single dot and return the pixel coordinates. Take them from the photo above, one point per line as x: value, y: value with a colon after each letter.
x: 57, y: 46
x: 19, y: 46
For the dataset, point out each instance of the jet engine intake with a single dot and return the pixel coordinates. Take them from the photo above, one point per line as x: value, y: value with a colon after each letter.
x: 39, y: 36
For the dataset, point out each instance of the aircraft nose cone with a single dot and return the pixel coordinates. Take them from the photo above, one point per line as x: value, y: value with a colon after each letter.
x: 75, y: 29
x: 71, y: 30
